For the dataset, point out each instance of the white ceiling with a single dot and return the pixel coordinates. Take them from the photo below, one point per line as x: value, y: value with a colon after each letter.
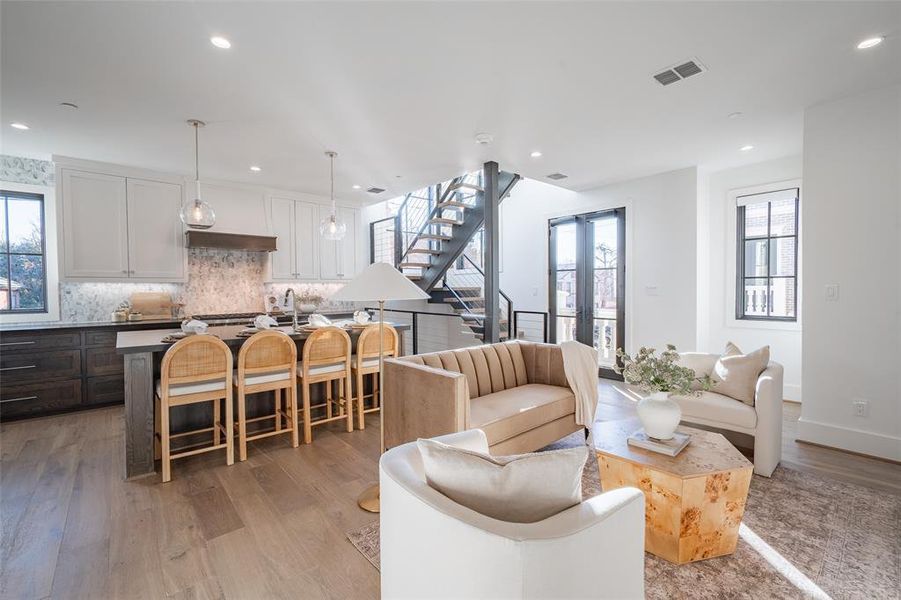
x: 402, y: 88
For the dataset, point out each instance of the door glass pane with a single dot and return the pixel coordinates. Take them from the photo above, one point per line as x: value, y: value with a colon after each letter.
x: 605, y: 341
x: 566, y: 293
x: 605, y: 243
x: 756, y: 297
x: 605, y: 293
x: 782, y: 217
x: 782, y: 296
x: 566, y: 246
x: 755, y: 220
x: 25, y: 233
x: 566, y: 329
x: 755, y: 258
x: 26, y: 283
x: 782, y: 256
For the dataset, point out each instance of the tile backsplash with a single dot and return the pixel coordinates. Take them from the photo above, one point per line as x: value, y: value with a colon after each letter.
x: 219, y: 281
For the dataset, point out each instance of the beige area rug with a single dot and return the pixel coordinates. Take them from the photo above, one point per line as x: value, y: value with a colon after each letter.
x: 803, y: 536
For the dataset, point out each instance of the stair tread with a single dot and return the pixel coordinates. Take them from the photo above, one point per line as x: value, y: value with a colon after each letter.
x: 443, y: 221
x: 423, y: 251
x: 435, y: 236
x: 464, y: 185
x: 455, y: 204
x: 413, y: 265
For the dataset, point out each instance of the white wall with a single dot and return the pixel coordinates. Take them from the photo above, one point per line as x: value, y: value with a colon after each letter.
x: 851, y: 212
x: 717, y: 250
x: 661, y: 241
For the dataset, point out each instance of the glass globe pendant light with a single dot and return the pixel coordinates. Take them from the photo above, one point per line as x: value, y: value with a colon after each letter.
x: 196, y: 213
x: 331, y: 227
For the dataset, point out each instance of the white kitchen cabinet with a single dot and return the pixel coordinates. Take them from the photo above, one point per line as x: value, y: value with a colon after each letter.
x: 119, y: 228
x: 281, y: 215
x: 306, y: 232
x: 94, y: 225
x: 155, y: 233
x: 295, y: 223
x: 338, y: 259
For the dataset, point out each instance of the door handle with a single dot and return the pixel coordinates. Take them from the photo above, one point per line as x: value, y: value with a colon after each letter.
x: 17, y: 368
x: 16, y: 343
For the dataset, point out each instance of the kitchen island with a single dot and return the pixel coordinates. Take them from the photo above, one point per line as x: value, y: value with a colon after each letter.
x: 142, y: 351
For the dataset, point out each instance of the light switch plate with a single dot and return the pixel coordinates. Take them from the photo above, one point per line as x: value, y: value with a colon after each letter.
x: 832, y: 292
x: 651, y: 290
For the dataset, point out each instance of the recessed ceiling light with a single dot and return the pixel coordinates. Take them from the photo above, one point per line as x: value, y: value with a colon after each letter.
x: 21, y: 126
x: 746, y: 148
x: 870, y: 42
x: 535, y: 154
x: 220, y: 42
x: 736, y: 115
x: 484, y: 138
x: 255, y: 168
x: 356, y: 187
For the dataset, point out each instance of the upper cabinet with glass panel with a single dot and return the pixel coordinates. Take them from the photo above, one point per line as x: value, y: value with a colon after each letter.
x: 767, y: 278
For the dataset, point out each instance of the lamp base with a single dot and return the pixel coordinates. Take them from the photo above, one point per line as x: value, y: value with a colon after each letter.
x: 369, y: 500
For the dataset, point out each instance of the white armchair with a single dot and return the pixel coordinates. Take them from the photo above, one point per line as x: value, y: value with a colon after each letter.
x: 432, y: 547
x: 763, y: 421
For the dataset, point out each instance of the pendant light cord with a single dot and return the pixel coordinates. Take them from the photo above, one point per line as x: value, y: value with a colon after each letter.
x: 196, y: 152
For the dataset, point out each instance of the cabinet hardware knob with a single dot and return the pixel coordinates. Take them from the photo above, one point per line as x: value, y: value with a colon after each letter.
x: 125, y: 271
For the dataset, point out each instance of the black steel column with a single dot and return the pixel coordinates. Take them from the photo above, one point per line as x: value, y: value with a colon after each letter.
x: 491, y: 253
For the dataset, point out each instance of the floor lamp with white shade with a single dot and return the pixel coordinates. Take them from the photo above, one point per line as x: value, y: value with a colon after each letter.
x: 379, y: 282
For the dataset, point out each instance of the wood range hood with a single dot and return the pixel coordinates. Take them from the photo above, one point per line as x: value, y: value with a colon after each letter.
x: 196, y: 238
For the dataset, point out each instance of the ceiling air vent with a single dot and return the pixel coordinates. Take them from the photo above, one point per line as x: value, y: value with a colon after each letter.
x: 375, y: 190
x: 557, y: 176
x: 679, y: 72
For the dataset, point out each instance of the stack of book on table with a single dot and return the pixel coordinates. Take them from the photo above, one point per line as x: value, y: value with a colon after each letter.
x: 670, y: 447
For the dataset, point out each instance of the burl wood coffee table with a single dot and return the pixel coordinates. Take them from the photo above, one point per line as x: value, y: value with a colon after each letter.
x: 694, y: 502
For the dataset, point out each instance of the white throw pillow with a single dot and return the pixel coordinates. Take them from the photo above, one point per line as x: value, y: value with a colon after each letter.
x: 735, y: 374
x: 520, y: 489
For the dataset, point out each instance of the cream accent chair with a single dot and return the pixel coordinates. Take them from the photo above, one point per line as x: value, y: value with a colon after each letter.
x: 516, y: 392
x: 432, y: 547
x: 763, y: 421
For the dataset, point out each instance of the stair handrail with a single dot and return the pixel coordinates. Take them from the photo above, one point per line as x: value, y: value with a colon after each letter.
x: 435, y: 211
x: 478, y: 269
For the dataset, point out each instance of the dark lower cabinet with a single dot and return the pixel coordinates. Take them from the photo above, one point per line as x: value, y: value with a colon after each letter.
x: 18, y: 401
x: 49, y: 371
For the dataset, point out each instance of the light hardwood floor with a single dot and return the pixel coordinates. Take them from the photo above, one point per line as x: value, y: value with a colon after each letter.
x: 271, y: 527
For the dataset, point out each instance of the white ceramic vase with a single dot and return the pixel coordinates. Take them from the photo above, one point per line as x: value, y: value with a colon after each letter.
x: 659, y: 415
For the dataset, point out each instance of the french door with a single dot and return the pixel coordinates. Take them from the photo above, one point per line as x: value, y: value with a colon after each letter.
x: 587, y: 281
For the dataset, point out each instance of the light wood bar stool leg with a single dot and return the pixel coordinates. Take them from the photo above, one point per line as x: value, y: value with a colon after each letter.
x: 345, y: 395
x: 164, y: 442
x: 278, y: 409
x: 242, y: 425
x: 291, y: 401
x: 361, y: 422
x: 229, y: 427
x: 217, y: 418
x: 307, y: 426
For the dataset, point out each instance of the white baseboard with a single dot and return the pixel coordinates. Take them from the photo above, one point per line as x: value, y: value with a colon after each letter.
x: 845, y: 438
x: 791, y: 392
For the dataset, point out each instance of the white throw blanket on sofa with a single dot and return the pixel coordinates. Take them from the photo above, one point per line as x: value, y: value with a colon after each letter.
x: 580, y: 363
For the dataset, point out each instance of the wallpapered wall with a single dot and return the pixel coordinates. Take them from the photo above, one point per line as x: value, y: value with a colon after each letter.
x: 219, y: 281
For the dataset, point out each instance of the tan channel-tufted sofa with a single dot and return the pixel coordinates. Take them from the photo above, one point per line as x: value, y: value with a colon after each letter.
x: 516, y: 392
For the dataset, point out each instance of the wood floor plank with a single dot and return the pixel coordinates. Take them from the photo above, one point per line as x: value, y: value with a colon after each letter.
x: 271, y: 527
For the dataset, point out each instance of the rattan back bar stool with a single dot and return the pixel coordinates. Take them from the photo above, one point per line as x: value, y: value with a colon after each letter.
x: 267, y: 362
x: 195, y: 369
x: 366, y: 362
x: 326, y: 359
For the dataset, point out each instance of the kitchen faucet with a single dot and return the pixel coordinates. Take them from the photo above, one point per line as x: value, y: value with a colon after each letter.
x: 290, y: 291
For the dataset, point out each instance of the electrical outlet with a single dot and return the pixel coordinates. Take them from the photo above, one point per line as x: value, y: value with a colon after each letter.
x: 861, y: 408
x: 832, y: 292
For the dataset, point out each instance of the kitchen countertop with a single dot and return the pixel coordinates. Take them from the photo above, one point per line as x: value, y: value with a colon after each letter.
x: 149, y: 340
x: 34, y: 326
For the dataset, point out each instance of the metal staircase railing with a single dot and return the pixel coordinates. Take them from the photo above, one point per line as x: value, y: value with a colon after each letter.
x: 465, y: 284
